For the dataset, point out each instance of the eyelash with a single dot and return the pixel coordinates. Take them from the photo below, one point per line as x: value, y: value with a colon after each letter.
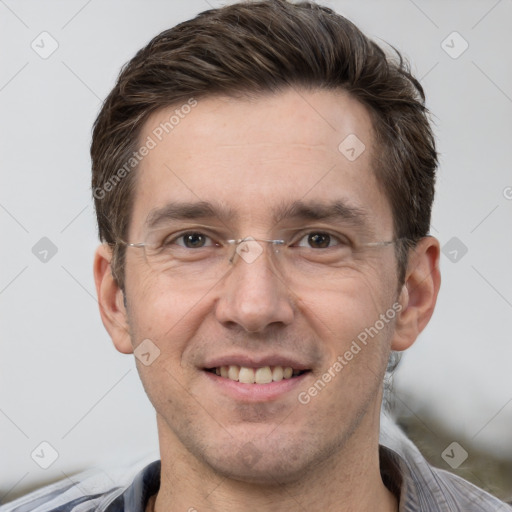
x: 174, y: 238
x: 341, y: 240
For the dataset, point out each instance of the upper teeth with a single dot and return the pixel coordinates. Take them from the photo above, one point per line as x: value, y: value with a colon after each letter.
x: 262, y: 375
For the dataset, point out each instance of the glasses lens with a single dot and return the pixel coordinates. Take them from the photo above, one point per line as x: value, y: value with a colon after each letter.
x: 312, y: 259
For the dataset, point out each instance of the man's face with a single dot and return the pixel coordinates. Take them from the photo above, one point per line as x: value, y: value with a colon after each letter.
x: 269, y: 168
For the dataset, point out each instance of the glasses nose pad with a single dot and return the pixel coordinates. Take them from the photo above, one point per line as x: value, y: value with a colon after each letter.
x: 250, y: 249
x: 279, y: 257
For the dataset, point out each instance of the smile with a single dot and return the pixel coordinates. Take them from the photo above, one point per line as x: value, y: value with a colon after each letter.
x: 263, y: 375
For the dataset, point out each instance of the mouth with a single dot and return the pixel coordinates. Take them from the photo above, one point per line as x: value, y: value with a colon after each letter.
x: 260, y: 375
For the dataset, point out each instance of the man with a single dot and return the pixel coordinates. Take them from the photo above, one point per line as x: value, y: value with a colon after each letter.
x: 263, y: 178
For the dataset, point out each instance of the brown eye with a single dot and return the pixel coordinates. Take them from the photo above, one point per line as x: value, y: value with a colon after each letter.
x: 193, y: 240
x: 319, y: 240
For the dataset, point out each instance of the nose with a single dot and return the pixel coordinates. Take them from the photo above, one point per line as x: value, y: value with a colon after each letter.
x: 253, y: 294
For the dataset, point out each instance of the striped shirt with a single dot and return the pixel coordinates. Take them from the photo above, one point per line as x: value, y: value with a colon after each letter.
x: 420, y: 487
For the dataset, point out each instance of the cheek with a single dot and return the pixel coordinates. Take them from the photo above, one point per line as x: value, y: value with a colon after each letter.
x: 354, y: 335
x: 355, y: 329
x: 170, y: 318
x: 159, y: 306
x: 353, y: 302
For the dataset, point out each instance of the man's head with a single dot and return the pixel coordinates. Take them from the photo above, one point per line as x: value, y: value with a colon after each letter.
x: 282, y: 123
x: 257, y: 48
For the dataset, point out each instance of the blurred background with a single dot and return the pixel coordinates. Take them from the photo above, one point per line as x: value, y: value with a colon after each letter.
x: 64, y: 390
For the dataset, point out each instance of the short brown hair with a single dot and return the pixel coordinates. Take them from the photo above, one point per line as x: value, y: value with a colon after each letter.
x: 261, y: 47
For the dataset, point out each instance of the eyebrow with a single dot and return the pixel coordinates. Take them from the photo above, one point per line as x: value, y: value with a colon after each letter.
x: 188, y: 211
x: 331, y: 211
x: 337, y: 210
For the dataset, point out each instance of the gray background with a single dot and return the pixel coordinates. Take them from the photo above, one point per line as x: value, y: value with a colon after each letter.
x: 61, y: 380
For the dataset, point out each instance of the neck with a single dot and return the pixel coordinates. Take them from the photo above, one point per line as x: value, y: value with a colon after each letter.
x: 348, y: 480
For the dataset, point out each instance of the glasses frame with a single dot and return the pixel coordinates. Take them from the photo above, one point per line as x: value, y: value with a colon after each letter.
x: 235, y: 242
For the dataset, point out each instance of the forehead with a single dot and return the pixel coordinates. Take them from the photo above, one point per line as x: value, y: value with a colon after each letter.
x: 252, y: 155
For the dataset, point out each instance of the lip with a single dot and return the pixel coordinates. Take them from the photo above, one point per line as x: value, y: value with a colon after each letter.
x: 255, y: 362
x: 255, y: 392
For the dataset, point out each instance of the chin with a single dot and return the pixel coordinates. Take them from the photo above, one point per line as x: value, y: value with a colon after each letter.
x: 276, y: 462
x: 268, y: 473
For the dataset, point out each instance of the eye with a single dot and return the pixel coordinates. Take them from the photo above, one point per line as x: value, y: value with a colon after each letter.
x: 190, y: 240
x: 319, y: 240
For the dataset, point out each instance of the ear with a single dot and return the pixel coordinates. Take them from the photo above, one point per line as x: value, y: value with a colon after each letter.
x: 111, y: 301
x: 419, y: 293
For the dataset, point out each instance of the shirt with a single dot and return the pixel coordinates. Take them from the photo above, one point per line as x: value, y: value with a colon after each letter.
x: 420, y: 486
